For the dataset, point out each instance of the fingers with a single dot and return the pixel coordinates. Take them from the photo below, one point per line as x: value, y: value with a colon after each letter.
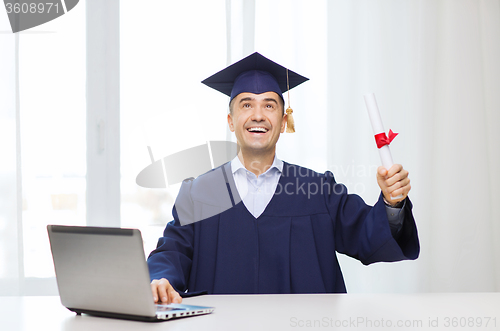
x: 154, y: 290
x: 397, y: 178
x: 396, y: 168
x: 394, y: 182
x: 174, y: 296
x: 399, y: 188
x: 395, y: 174
x: 163, y: 292
x: 382, y: 171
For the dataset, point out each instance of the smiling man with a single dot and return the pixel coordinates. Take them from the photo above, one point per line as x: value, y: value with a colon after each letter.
x: 257, y: 120
x: 261, y: 225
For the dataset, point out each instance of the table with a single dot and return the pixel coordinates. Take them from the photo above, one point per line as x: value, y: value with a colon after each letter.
x: 424, y: 311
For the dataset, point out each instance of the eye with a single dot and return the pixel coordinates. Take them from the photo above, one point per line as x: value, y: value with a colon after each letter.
x: 246, y: 105
x: 270, y: 106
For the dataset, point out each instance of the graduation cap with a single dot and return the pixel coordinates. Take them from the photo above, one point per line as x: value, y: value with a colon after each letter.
x: 256, y: 74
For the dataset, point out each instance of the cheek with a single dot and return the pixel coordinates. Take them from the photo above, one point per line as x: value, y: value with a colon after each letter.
x: 240, y: 121
x: 238, y: 124
x: 280, y: 123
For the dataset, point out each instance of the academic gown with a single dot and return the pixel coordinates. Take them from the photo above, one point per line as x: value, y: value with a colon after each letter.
x: 290, y: 248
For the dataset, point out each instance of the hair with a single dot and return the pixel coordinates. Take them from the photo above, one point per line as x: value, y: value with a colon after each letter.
x: 280, y: 102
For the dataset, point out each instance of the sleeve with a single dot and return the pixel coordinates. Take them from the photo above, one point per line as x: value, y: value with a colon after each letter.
x: 172, y: 258
x: 395, y: 216
x: 363, y: 232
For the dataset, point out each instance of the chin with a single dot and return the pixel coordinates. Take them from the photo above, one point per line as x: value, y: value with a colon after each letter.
x: 259, y: 148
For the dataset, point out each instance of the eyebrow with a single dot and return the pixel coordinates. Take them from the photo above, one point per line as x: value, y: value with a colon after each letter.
x: 246, y: 99
x: 252, y: 99
x: 271, y: 99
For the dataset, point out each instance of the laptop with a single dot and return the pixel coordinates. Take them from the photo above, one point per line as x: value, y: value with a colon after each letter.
x: 103, y: 272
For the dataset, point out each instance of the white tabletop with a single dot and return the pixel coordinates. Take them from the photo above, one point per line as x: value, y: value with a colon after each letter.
x: 433, y: 311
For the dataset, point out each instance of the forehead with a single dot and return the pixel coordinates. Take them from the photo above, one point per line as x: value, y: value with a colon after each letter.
x: 266, y: 96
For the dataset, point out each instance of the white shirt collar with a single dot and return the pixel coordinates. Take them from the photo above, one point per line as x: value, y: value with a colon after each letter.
x: 237, y: 165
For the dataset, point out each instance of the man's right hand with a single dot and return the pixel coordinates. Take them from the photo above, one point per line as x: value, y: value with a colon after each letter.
x: 164, y: 293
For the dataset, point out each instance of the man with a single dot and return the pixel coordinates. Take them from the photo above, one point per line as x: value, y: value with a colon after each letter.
x: 261, y: 225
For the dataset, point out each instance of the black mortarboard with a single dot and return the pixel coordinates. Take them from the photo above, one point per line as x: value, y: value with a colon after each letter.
x: 255, y: 74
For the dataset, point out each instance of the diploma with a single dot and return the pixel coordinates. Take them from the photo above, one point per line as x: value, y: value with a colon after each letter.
x: 381, y: 138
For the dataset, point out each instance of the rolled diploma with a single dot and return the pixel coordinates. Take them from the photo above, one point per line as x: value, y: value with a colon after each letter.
x: 378, y: 127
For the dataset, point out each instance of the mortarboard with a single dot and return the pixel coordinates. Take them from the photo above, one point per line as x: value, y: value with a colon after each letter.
x: 256, y: 74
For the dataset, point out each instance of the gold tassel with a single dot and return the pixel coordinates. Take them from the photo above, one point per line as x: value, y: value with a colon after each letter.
x: 290, y: 124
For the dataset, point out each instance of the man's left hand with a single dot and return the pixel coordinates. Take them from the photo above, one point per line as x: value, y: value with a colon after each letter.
x: 393, y: 183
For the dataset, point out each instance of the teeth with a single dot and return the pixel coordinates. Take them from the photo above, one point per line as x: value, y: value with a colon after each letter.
x: 257, y: 130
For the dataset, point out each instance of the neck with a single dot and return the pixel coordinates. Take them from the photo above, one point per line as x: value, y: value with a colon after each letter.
x: 256, y: 163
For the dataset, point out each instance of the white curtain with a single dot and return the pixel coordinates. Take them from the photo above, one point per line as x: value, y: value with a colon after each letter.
x: 433, y: 66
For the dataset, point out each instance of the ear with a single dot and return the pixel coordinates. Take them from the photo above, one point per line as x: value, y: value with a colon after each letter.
x: 283, y: 122
x: 230, y: 122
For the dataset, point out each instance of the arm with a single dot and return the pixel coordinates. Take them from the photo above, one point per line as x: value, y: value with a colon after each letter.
x: 170, y: 263
x: 393, y: 183
x: 363, y: 232
x: 396, y: 217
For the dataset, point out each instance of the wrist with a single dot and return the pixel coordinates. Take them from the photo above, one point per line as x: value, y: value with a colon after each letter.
x: 398, y: 204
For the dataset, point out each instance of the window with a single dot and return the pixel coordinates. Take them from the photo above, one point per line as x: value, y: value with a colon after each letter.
x: 166, y: 49
x: 56, y: 157
x: 52, y: 69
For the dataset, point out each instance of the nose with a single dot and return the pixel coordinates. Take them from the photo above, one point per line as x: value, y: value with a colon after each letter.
x: 258, y: 115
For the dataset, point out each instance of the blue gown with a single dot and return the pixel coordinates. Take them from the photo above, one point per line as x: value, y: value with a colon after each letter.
x: 290, y: 248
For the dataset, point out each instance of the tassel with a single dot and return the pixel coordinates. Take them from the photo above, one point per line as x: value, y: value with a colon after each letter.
x: 290, y: 124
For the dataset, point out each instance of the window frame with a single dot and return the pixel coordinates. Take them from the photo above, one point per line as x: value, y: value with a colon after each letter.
x: 102, y: 136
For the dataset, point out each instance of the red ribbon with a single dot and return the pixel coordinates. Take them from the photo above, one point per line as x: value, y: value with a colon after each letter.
x: 382, y: 139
